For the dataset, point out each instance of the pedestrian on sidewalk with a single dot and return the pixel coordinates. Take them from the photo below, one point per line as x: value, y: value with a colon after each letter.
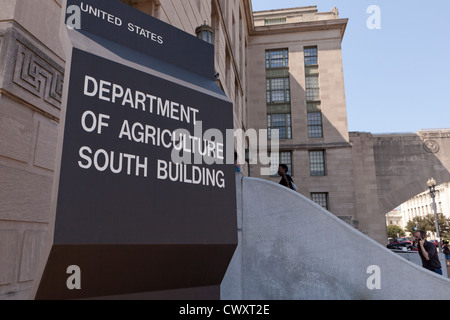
x: 286, y: 180
x: 446, y: 251
x: 428, y: 252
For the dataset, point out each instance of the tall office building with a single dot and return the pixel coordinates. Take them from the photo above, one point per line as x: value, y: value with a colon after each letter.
x: 296, y: 86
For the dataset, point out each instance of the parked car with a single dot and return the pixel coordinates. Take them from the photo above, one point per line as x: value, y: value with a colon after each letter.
x: 403, y: 239
x: 400, y: 245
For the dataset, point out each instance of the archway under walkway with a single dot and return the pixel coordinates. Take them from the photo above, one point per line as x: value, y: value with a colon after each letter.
x: 392, y: 168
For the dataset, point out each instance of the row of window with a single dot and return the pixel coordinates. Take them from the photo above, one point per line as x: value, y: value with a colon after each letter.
x: 282, y: 123
x: 315, y: 129
x: 317, y: 165
x: 278, y: 92
x: 316, y: 157
x: 279, y: 58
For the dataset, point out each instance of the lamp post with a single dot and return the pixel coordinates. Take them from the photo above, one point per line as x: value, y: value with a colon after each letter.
x: 432, y: 186
x: 205, y: 32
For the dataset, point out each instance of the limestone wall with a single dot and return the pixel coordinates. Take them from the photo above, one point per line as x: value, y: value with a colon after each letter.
x: 31, y: 84
x: 392, y: 168
x: 31, y: 79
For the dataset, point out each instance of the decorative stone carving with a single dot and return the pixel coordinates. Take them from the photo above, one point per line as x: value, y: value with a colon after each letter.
x: 37, y: 76
x: 431, y: 146
x: 32, y: 74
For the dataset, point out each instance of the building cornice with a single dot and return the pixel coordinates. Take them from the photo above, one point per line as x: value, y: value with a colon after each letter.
x: 314, y: 146
x: 248, y: 12
x: 339, y: 24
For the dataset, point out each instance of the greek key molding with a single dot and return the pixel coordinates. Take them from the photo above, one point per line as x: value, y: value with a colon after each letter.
x: 37, y: 76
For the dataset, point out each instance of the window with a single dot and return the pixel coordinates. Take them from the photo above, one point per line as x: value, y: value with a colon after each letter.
x: 315, y: 125
x: 317, y: 162
x: 310, y: 56
x: 278, y: 90
x: 282, y: 122
x: 274, y: 20
x: 277, y: 158
x: 277, y: 58
x: 321, y: 198
x: 312, y: 88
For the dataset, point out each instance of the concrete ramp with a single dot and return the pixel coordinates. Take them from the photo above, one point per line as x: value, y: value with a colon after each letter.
x: 291, y: 248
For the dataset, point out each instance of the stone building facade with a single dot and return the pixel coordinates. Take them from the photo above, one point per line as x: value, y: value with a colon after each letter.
x: 31, y: 81
x: 297, y: 87
x: 421, y: 205
x: 282, y: 69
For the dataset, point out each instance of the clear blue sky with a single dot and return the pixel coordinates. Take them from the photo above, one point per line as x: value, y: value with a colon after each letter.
x: 397, y: 78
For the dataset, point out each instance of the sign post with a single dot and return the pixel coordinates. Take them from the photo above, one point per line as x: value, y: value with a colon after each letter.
x: 144, y: 197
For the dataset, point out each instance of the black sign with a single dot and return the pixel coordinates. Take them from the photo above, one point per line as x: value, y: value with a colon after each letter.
x: 146, y: 197
x: 119, y: 163
x: 114, y: 21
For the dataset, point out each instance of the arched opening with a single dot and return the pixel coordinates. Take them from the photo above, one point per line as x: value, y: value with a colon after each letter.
x: 417, y: 213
